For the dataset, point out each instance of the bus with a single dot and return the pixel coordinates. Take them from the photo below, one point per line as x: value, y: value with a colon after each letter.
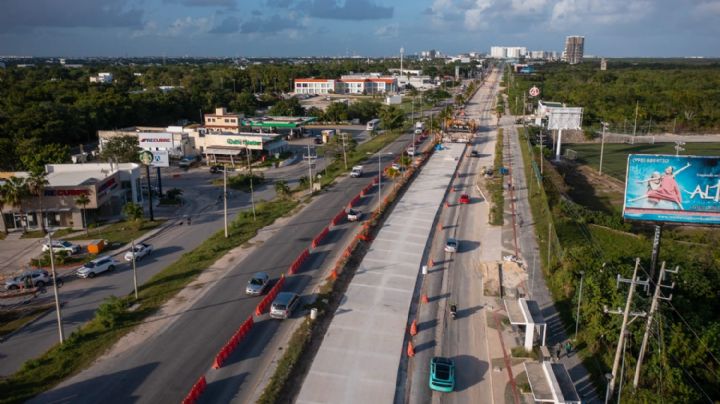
x: 373, y: 124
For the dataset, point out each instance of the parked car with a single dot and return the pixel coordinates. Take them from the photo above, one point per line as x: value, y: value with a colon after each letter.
x: 217, y: 169
x: 61, y: 245
x: 442, y: 374
x: 354, y: 215
x: 464, y: 198
x: 451, y: 245
x: 395, y: 166
x: 284, y: 305
x: 257, y: 284
x: 187, y: 162
x: 141, y: 250
x: 318, y: 139
x: 96, y: 266
x: 410, y: 151
x: 39, y: 278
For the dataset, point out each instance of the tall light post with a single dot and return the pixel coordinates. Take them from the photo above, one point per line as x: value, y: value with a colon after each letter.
x: 252, y: 193
x: 55, y: 289
x: 225, y: 217
x: 380, y: 172
x: 577, y: 316
x: 602, y: 144
x: 132, y: 249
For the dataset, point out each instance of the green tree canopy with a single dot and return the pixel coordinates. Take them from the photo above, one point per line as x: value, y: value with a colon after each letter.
x: 288, y: 107
x: 392, y: 117
x: 123, y: 148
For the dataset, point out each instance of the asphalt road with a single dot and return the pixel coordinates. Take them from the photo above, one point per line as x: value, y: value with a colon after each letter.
x: 165, y: 366
x: 81, y: 297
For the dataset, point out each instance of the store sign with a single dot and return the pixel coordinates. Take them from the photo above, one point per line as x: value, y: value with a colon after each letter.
x: 667, y: 188
x: 152, y: 141
x: 244, y: 142
x: 107, y: 184
x: 66, y: 192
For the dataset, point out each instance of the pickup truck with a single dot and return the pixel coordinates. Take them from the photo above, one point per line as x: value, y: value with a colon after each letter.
x: 356, y: 172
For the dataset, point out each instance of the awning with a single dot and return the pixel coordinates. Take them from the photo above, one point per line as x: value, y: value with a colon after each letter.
x: 225, y: 151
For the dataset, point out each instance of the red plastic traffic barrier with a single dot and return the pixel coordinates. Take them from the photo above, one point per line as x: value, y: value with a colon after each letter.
x: 197, y: 389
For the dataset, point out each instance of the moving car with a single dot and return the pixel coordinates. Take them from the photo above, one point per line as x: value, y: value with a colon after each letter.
x: 141, y: 250
x: 356, y: 172
x: 284, y: 305
x: 216, y: 169
x: 410, y: 151
x: 96, y: 266
x: 354, y: 215
x: 61, y: 245
x: 39, y: 278
x: 464, y: 198
x: 257, y: 284
x: 451, y: 245
x: 474, y: 153
x: 395, y: 166
x: 442, y: 374
x: 187, y: 162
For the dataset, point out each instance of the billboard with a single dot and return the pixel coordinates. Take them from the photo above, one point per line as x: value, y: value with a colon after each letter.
x: 155, y: 140
x: 157, y: 158
x: 565, y: 117
x: 667, y: 188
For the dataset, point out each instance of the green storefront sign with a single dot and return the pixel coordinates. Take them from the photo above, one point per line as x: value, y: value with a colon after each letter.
x: 244, y: 142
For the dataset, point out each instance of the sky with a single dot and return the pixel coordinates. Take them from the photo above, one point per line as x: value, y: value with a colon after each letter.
x: 373, y: 28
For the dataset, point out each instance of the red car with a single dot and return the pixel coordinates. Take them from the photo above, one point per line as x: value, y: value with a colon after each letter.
x: 465, y: 198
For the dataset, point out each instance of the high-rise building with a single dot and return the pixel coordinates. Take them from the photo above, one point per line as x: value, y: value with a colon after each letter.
x: 603, y: 64
x: 574, y: 47
x: 507, y: 52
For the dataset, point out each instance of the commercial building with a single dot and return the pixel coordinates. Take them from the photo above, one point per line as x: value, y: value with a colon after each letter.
x: 103, y: 78
x: 368, y: 83
x: 574, y: 48
x: 508, y: 52
x: 173, y: 139
x: 232, y: 148
x: 223, y: 121
x: 107, y: 186
x: 315, y: 86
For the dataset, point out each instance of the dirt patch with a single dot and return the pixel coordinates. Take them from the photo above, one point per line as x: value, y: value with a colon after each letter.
x: 513, y: 275
x: 587, y: 187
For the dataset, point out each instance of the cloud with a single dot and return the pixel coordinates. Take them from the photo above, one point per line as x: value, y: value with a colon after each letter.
x: 203, y: 3
x: 271, y: 24
x: 188, y: 26
x: 388, y: 31
x: 279, y: 3
x: 707, y: 8
x: 229, y: 25
x: 601, y: 12
x: 18, y: 15
x: 349, y: 10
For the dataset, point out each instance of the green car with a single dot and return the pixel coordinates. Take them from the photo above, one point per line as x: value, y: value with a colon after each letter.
x: 442, y: 374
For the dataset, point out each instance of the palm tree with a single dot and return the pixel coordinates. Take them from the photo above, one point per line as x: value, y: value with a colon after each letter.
x: 15, y: 191
x: 83, y: 200
x: 3, y: 202
x: 36, y: 184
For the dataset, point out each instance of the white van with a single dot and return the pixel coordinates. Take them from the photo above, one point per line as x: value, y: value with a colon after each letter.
x: 373, y: 124
x: 356, y: 172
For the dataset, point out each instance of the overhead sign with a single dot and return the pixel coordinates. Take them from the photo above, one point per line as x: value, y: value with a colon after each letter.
x: 667, y: 188
x: 157, y: 158
x: 534, y: 91
x: 565, y: 118
x: 152, y: 141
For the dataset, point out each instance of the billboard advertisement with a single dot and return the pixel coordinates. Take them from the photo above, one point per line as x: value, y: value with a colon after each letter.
x: 565, y: 117
x: 667, y: 188
x: 157, y: 158
x: 154, y: 141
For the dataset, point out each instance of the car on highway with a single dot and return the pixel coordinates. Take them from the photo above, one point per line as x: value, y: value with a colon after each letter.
x: 353, y: 215
x: 187, y: 162
x: 474, y: 153
x: 141, y: 250
x: 318, y: 139
x: 442, y: 374
x: 410, y: 151
x: 464, y: 199
x: 39, y: 279
x: 62, y: 245
x: 451, y: 245
x: 284, y: 305
x: 257, y: 284
x: 97, y: 266
x: 217, y: 169
x: 395, y: 166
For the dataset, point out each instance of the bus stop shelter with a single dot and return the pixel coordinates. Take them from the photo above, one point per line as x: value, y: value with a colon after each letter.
x: 551, y: 383
x: 523, y: 312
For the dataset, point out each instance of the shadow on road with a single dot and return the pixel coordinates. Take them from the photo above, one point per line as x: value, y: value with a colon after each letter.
x: 469, y: 370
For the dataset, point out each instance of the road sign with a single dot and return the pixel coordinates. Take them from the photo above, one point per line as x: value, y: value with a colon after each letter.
x: 156, y: 158
x: 534, y: 91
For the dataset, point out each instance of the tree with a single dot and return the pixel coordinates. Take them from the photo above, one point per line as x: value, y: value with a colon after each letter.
x: 316, y: 112
x: 83, y: 200
x: 34, y: 155
x: 336, y: 112
x: 288, y: 107
x: 282, y: 189
x: 133, y: 211
x: 36, y: 184
x: 15, y: 191
x: 364, y: 110
x: 392, y: 117
x: 124, y: 149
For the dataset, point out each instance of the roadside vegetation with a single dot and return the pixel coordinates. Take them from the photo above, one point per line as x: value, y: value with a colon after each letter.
x: 681, y: 361
x: 495, y: 184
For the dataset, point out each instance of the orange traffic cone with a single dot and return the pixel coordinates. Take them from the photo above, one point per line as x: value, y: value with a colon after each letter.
x: 333, y: 274
x: 431, y: 263
x: 413, y: 328
x: 424, y: 298
x: 410, y: 350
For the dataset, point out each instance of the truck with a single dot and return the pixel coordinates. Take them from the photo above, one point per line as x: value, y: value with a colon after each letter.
x: 327, y: 134
x: 356, y: 172
x: 420, y: 125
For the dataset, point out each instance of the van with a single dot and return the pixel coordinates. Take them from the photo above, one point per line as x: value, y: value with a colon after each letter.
x: 356, y: 172
x: 284, y: 305
x: 372, y: 124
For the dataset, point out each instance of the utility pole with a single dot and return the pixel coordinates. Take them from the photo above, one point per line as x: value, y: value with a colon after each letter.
x: 225, y: 200
x: 648, y: 324
x: 343, y: 134
x: 55, y: 289
x: 310, y: 159
x: 626, y: 314
x: 602, y: 145
x: 577, y: 316
x: 132, y: 249
x: 637, y: 105
x: 252, y: 193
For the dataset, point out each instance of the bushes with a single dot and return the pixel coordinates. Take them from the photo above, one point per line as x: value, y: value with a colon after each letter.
x: 242, y: 181
x: 495, y: 185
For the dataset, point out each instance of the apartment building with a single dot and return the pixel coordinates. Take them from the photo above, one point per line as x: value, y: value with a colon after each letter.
x: 574, y: 48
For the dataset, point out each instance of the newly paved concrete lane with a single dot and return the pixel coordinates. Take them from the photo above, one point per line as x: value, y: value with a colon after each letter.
x: 80, y: 297
x: 360, y: 354
x: 164, y: 367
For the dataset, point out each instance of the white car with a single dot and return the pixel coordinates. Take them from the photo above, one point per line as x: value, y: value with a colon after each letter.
x: 96, y: 266
x: 61, y: 245
x: 451, y: 245
x: 411, y: 151
x: 141, y: 250
x: 354, y: 215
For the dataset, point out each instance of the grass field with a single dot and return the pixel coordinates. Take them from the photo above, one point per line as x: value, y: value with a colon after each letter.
x: 615, y: 155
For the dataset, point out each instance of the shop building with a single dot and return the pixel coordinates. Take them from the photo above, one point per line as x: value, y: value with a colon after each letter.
x: 173, y: 139
x: 232, y: 148
x: 108, y: 188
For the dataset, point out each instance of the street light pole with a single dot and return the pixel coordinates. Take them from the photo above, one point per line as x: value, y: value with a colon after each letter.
x: 379, y: 178
x: 310, y: 179
x: 132, y: 249
x: 577, y: 316
x: 55, y: 289
x: 252, y: 193
x: 225, y: 218
x: 602, y: 145
x: 344, y: 153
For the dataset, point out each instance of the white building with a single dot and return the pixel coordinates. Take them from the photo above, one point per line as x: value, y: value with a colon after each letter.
x: 315, y: 86
x: 103, y: 78
x: 366, y: 83
x: 508, y: 52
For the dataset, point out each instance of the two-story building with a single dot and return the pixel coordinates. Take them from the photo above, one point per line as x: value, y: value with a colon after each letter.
x: 223, y: 121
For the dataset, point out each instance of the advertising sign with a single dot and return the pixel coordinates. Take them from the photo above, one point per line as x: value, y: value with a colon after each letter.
x: 151, y: 141
x: 667, y: 188
x: 565, y: 118
x: 156, y: 158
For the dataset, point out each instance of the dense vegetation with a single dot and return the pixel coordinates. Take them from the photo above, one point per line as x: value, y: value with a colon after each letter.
x: 670, y: 96
x: 48, y: 108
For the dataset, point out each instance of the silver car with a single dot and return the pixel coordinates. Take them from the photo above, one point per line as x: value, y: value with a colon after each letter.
x: 257, y: 284
x: 96, y: 266
x: 39, y: 278
x: 451, y: 245
x: 284, y: 305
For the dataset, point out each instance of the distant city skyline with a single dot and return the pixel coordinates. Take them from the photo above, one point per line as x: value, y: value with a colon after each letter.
x: 372, y: 28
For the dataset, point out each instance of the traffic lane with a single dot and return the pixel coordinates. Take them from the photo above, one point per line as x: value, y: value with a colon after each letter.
x: 202, y: 330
